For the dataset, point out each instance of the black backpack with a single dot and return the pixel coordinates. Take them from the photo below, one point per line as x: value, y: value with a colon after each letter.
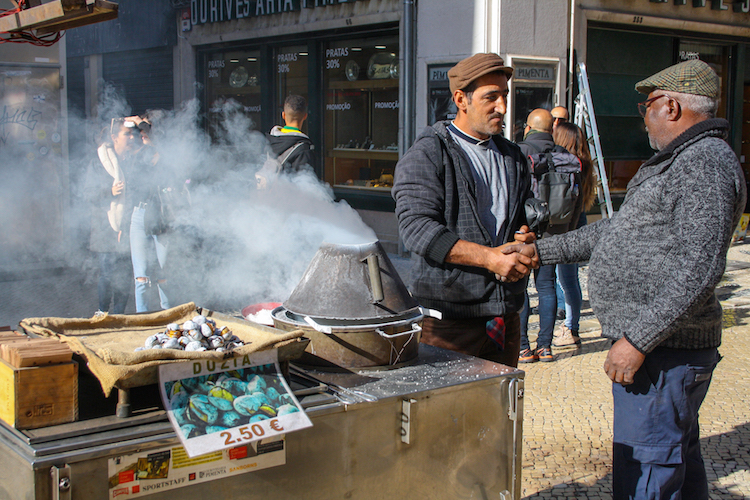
x: 556, y: 179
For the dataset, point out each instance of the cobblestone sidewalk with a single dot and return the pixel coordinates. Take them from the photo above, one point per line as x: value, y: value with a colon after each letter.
x: 567, y: 450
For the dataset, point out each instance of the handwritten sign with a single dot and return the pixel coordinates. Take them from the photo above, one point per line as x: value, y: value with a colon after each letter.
x: 219, y: 404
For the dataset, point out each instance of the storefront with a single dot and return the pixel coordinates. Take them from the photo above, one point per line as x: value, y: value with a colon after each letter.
x: 623, y: 42
x: 374, y: 73
x: 343, y: 57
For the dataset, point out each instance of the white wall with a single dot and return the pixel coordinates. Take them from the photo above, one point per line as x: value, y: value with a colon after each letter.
x: 448, y: 31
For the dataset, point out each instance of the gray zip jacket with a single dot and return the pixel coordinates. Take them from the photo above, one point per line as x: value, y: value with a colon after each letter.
x: 654, y: 265
x: 436, y: 206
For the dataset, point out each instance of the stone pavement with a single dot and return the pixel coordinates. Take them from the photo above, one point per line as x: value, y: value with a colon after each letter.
x: 567, y: 450
x: 568, y: 403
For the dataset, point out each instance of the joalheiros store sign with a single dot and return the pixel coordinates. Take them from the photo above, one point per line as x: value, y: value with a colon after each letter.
x: 212, y: 11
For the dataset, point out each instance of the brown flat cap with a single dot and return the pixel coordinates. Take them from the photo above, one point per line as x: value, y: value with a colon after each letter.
x: 471, y: 68
x: 689, y: 77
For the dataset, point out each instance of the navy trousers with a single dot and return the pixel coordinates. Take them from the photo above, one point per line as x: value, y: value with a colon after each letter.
x: 656, y: 441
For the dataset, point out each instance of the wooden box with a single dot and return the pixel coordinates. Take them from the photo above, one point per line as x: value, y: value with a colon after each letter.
x: 38, y: 396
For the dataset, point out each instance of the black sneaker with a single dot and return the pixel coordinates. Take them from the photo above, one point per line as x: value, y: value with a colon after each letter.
x: 544, y: 354
x: 560, y: 314
x: 527, y: 356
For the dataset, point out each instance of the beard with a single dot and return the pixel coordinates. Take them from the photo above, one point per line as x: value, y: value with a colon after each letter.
x: 652, y: 141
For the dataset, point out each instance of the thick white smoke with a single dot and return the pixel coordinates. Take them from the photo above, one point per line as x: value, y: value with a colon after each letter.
x: 235, y: 245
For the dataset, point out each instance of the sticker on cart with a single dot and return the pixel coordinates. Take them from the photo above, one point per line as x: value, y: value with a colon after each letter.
x: 219, y: 404
x: 162, y: 469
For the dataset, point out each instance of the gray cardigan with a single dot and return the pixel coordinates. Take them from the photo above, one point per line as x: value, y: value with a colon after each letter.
x: 436, y: 206
x: 654, y: 265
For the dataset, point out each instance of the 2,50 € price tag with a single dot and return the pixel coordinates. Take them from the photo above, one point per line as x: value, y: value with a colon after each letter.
x: 216, y: 405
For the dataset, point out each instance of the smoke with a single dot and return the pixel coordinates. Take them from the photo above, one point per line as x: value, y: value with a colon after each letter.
x: 231, y: 244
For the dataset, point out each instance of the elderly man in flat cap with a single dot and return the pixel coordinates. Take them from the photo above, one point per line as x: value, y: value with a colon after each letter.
x: 460, y: 192
x: 653, y: 268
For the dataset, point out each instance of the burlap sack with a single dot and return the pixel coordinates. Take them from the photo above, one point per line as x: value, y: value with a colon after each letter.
x: 108, y: 342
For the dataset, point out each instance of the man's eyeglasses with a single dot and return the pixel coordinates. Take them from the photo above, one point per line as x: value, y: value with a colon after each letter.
x: 643, y: 106
x: 560, y: 119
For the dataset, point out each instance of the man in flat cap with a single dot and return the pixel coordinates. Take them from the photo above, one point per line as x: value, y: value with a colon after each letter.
x: 460, y: 192
x: 653, y: 268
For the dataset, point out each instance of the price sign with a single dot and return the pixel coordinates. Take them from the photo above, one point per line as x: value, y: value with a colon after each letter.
x: 219, y: 404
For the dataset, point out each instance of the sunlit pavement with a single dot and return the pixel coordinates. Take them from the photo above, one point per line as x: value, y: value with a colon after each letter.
x: 567, y: 450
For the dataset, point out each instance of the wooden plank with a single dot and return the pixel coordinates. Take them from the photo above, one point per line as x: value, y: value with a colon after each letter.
x: 8, y: 23
x: 41, y: 13
x: 21, y: 351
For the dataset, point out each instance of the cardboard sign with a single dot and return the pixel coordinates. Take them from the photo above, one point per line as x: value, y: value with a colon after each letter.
x: 215, y: 405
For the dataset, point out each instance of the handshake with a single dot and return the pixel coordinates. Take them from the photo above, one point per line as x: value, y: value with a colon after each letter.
x: 516, y: 259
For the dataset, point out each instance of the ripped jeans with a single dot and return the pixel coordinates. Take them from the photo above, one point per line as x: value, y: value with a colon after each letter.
x: 149, y: 255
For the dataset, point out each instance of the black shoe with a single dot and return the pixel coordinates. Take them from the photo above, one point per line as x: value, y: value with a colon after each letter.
x: 544, y: 354
x: 561, y: 314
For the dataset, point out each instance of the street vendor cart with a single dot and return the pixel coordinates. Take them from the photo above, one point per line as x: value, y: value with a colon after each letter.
x: 391, y: 418
x: 447, y: 426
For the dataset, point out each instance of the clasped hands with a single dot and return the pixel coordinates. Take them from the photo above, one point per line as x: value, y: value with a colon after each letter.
x: 516, y: 259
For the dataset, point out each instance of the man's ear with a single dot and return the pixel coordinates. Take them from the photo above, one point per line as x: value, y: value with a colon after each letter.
x: 674, y: 109
x: 283, y: 116
x: 460, y: 99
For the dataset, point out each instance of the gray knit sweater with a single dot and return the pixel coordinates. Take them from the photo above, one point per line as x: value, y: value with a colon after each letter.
x: 654, y: 265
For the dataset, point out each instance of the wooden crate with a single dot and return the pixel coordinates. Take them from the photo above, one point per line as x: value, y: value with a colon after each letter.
x: 38, y: 396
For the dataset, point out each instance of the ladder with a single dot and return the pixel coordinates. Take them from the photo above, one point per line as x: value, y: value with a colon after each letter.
x: 584, y: 118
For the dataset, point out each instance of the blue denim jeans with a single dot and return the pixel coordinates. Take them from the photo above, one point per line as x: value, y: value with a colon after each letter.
x: 544, y: 279
x: 656, y: 447
x: 114, y: 281
x: 149, y: 254
x: 567, y: 276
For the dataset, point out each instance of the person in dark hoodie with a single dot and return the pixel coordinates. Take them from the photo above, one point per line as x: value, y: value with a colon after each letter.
x: 460, y: 193
x: 292, y: 147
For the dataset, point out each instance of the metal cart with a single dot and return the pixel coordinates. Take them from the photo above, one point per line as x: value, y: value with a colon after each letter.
x: 446, y: 426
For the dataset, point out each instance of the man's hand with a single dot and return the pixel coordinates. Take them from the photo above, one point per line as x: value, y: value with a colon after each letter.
x: 509, y: 266
x: 529, y: 250
x: 623, y: 361
x: 523, y: 235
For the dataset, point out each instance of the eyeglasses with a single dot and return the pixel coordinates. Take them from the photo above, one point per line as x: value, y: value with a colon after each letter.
x: 560, y: 119
x: 643, y: 106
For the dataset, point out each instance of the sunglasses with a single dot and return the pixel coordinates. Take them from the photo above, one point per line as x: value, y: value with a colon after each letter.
x: 561, y: 119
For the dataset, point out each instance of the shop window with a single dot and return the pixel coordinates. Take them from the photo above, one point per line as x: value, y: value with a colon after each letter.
x: 291, y: 76
x: 361, y: 112
x: 533, y: 85
x: 233, y: 76
x: 440, y: 105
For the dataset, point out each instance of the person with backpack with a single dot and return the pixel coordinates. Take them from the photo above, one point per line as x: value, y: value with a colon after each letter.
x: 570, y: 136
x: 555, y: 180
x: 290, y: 149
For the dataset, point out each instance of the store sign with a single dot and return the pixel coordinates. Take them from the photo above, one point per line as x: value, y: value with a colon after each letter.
x: 213, y: 11
x: 545, y: 73
x: 439, y: 74
x: 737, y: 6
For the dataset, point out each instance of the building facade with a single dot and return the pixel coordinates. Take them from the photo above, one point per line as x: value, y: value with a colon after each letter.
x: 374, y: 72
